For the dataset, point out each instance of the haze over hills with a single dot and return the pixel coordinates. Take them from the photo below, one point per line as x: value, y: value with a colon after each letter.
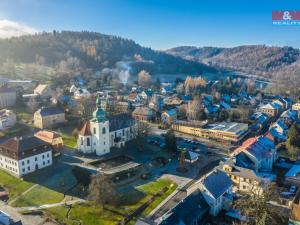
x: 272, y: 62
x: 74, y: 51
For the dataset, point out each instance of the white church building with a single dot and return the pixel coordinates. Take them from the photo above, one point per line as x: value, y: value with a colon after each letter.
x: 100, y: 133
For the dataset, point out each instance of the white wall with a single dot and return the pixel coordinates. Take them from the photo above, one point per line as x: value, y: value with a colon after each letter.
x: 27, y: 165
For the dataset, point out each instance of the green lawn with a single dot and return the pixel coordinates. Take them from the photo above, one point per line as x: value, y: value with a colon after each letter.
x: 87, y: 213
x: 14, y: 185
x: 69, y: 140
x: 39, y: 195
x: 134, y: 198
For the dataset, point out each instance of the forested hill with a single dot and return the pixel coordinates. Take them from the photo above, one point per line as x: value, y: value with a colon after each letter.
x: 88, y: 50
x: 273, y: 62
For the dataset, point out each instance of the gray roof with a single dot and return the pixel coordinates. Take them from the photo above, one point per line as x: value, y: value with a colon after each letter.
x: 217, y: 183
x: 187, y: 211
x: 120, y: 121
x: 47, y: 111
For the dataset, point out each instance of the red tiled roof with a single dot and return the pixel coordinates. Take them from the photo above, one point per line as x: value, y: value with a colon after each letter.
x: 85, y: 130
x: 268, y: 135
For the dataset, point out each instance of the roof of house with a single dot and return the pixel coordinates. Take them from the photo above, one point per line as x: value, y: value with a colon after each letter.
x: 86, y: 129
x: 187, y: 211
x: 19, y: 148
x: 47, y: 135
x: 244, y: 172
x: 132, y: 96
x: 120, y: 121
x: 294, y: 172
x: 242, y: 160
x: 217, y: 183
x: 190, y: 155
x: 142, y: 111
x: 48, y: 111
x: 171, y: 112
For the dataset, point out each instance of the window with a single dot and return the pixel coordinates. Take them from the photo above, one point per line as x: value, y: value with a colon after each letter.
x: 48, y: 161
x: 28, y: 167
x: 88, y: 142
x: 94, y: 130
x: 43, y: 156
x: 48, y: 155
x: 44, y: 163
x: 81, y: 141
x: 35, y: 158
x: 103, y: 130
x: 22, y: 163
x: 23, y: 170
x: 123, y: 132
x: 28, y: 161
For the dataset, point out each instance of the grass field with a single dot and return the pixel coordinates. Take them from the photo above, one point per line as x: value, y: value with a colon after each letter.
x: 39, y: 195
x: 14, y: 185
x: 69, y: 140
x: 87, y: 213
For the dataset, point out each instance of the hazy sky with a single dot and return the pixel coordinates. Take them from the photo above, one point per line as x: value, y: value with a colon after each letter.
x: 159, y: 24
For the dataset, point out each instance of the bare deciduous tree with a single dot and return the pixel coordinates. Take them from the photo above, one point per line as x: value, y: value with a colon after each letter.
x: 102, y: 190
x: 257, y: 208
x: 144, y: 78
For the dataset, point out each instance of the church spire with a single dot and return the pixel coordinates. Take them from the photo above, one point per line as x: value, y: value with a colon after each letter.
x: 99, y: 113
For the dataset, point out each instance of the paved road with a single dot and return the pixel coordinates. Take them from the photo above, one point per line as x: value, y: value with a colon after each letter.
x: 181, y: 193
x: 26, y: 219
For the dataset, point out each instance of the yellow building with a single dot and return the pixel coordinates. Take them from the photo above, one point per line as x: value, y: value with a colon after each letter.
x: 244, y: 180
x: 223, y: 131
x: 48, y: 117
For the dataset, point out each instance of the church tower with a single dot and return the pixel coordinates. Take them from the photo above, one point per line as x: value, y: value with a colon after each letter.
x: 99, y: 126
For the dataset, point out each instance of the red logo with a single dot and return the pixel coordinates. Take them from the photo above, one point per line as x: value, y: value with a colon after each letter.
x: 286, y: 15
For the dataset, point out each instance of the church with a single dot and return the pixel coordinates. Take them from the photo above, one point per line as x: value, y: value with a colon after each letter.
x: 101, y: 133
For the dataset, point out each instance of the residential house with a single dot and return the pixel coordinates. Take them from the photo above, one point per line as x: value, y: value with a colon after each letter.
x: 50, y: 137
x: 292, y: 177
x: 147, y: 94
x: 43, y: 90
x: 100, y: 133
x: 190, y: 211
x: 224, y: 105
x: 168, y: 117
x: 257, y: 153
x: 47, y: 117
x: 289, y: 116
x: 143, y: 113
x: 156, y: 103
x: 244, y: 180
x: 271, y: 109
x: 8, y: 97
x: 7, y: 119
x: 216, y: 189
x: 21, y: 156
x: 172, y: 101
x: 134, y: 97
x: 296, y: 106
x: 166, y: 90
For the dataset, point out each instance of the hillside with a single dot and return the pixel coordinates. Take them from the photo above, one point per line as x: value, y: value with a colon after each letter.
x: 75, y: 51
x: 272, y: 62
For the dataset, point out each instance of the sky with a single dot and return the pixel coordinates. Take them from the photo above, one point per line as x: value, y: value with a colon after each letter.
x: 159, y: 24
